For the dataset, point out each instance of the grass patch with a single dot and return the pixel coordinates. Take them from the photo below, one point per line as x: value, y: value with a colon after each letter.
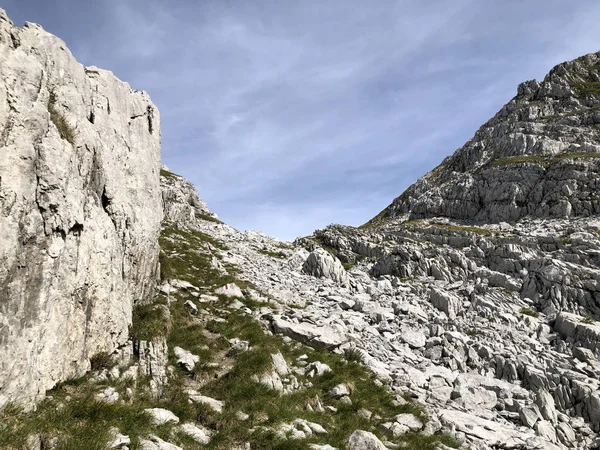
x: 477, y: 230
x: 354, y: 355
x: 101, y: 361
x: 587, y: 88
x: 512, y: 160
x: 208, y: 218
x: 149, y: 321
x: 64, y: 129
x: 77, y: 419
x: 377, y: 220
x: 348, y: 266
x: 529, y: 312
x: 577, y: 155
x: 170, y: 175
x: 589, y: 319
x: 266, y: 251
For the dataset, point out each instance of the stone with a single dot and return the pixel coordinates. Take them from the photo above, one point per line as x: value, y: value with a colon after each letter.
x: 410, y: 421
x: 413, y: 338
x: 119, y: 441
x: 546, y: 430
x: 545, y: 402
x: 216, y: 405
x: 230, y: 290
x: 529, y: 416
x: 161, y: 416
x: 153, y: 358
x: 321, y: 337
x: 279, y: 364
x: 156, y: 443
x: 198, y: 434
x: 316, y: 369
x: 108, y: 395
x: 364, y: 440
x: 185, y: 359
x: 340, y: 390
x: 444, y: 301
x: 191, y: 306
x: 322, y: 264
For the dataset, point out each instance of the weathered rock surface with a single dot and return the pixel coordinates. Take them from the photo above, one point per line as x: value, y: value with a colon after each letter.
x: 539, y: 156
x: 80, y: 210
x: 364, y: 440
x: 323, y: 265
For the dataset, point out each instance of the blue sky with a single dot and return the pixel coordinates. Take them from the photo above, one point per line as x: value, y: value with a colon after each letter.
x: 290, y: 115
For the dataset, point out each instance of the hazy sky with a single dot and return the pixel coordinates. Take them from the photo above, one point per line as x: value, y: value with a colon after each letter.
x: 289, y: 115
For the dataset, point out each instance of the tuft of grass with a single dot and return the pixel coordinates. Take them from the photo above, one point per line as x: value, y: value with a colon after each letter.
x: 348, y: 266
x: 354, y: 355
x: 529, y: 312
x: 587, y: 88
x: 102, y: 360
x: 208, y: 218
x: 377, y: 220
x: 577, y: 155
x: 64, y: 129
x: 149, y: 321
x: 468, y: 229
x: 589, y: 319
x: 169, y: 175
x: 511, y: 160
x: 266, y: 251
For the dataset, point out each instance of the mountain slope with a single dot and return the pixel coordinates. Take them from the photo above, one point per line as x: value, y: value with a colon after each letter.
x: 538, y: 156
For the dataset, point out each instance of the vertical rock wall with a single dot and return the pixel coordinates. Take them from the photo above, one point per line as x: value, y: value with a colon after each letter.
x: 80, y: 210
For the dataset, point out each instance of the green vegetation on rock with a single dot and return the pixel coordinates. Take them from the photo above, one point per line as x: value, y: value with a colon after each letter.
x: 64, y: 129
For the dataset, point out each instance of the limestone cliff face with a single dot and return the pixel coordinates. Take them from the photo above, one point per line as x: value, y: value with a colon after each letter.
x: 80, y: 210
x: 539, y: 156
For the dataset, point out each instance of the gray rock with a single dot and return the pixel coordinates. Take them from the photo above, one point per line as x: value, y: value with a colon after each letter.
x: 322, y: 337
x: 364, y: 440
x: 185, y: 359
x: 198, y: 434
x: 410, y: 421
x: 80, y: 214
x: 161, y: 416
x: 156, y: 443
x: 322, y: 264
x: 545, y: 401
x: 444, y: 301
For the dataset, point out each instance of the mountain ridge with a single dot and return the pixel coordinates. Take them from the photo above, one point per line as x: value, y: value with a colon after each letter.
x: 548, y: 128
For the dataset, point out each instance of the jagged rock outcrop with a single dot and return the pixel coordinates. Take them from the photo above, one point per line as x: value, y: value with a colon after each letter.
x: 324, y: 265
x: 539, y: 156
x: 80, y: 210
x: 181, y: 203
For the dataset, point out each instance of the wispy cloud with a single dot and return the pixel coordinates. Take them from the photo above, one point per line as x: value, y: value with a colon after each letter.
x: 290, y: 115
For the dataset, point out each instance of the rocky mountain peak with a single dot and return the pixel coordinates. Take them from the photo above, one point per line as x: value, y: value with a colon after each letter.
x: 539, y: 156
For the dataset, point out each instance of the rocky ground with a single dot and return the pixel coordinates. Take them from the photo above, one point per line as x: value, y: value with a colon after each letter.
x: 492, y: 328
x: 238, y: 350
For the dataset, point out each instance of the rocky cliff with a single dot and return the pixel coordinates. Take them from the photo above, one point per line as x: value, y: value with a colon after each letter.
x: 538, y: 156
x: 80, y: 210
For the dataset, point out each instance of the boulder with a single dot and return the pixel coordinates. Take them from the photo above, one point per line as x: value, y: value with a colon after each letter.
x: 322, y: 264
